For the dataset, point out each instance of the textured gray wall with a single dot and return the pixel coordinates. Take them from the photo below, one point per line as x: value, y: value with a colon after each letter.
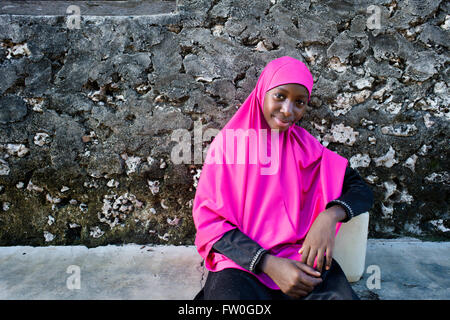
x: 87, y: 112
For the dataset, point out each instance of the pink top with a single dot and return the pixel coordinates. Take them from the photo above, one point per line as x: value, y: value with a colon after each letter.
x: 269, y: 184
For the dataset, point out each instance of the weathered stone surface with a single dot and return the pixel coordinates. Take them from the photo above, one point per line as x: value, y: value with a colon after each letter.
x: 12, y: 109
x: 423, y: 66
x: 433, y: 35
x: 87, y: 115
x: 9, y: 76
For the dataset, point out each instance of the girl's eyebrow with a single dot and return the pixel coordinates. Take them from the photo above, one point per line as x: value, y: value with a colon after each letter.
x: 298, y: 96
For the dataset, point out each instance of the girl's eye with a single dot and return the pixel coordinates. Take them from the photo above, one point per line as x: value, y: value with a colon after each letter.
x: 281, y: 96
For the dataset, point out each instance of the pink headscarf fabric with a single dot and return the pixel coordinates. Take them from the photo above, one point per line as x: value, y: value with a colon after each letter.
x: 273, y: 202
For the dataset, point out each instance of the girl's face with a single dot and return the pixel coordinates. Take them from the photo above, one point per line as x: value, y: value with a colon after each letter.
x: 284, y: 105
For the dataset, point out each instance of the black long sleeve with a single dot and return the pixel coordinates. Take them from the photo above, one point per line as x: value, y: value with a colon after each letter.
x: 355, y: 199
x: 240, y: 248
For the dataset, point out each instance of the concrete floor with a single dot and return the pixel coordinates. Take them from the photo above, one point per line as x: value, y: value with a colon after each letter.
x: 406, y: 269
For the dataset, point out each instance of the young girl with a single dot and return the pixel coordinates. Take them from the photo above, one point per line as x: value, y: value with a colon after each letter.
x: 266, y: 228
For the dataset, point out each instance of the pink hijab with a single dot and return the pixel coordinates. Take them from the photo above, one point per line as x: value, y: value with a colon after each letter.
x: 273, y: 202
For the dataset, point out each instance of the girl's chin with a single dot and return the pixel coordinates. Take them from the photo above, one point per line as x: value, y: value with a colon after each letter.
x: 281, y: 129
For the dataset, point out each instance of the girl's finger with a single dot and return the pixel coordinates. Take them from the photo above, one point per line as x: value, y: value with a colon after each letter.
x: 305, y: 288
x: 311, y: 257
x: 308, y: 270
x: 298, y: 294
x: 320, y: 259
x: 304, y: 253
x: 329, y: 255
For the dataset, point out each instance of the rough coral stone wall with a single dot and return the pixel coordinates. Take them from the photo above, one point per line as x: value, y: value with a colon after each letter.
x: 86, y: 115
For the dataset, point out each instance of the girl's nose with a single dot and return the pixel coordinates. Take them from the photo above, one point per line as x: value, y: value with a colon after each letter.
x: 287, y: 107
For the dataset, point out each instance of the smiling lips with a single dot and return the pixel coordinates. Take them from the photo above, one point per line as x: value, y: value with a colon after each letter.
x: 282, y: 122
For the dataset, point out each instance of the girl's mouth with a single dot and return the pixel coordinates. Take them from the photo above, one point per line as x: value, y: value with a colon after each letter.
x: 281, y: 123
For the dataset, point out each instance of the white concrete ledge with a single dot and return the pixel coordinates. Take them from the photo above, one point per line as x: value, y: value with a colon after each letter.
x: 409, y: 269
x: 110, y: 272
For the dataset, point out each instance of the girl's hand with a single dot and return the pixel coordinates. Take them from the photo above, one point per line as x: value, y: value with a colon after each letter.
x: 320, y: 238
x: 294, y: 278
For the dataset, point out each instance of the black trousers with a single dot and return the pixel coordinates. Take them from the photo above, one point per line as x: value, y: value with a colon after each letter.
x: 235, y: 284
